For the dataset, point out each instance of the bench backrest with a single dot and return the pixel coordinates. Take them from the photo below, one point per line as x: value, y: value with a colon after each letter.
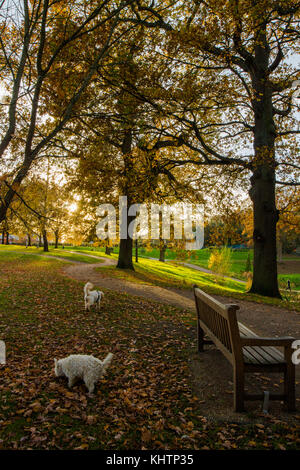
x: 220, y: 323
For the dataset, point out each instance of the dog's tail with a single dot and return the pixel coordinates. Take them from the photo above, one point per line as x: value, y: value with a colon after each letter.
x: 107, y: 361
x: 87, y: 288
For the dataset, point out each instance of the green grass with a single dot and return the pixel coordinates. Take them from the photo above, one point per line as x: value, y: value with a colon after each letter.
x: 293, y: 278
x: 62, y: 253
x: 145, y: 401
x: 72, y: 256
x: 201, y: 257
x: 174, y: 275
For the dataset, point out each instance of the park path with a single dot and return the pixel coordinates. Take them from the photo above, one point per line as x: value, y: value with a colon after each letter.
x: 267, y: 320
x: 280, y: 322
x: 208, y: 271
x: 86, y: 272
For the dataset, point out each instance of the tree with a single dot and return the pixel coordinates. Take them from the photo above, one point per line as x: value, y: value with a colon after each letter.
x: 233, y: 88
x: 36, y: 40
x: 118, y: 158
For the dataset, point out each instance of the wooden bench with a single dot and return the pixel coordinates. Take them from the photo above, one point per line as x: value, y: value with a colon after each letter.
x: 246, y: 351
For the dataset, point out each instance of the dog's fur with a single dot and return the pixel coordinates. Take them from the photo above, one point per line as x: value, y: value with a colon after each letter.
x: 92, y: 297
x: 80, y: 366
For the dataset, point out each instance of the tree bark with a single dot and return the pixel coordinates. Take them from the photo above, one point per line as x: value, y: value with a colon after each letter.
x: 3, y: 237
x: 279, y: 250
x: 56, y: 234
x: 7, y: 238
x: 262, y: 190
x: 162, y: 252
x: 125, y: 251
x: 136, y: 250
x: 125, y: 254
x: 264, y: 235
x: 126, y: 245
x: 29, y: 239
x: 45, y: 241
x: 108, y: 250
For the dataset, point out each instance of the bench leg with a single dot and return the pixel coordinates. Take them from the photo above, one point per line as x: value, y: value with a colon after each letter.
x: 289, y: 387
x: 200, y: 339
x: 238, y: 380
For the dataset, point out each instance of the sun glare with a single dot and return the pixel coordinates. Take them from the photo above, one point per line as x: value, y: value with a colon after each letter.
x: 73, y: 207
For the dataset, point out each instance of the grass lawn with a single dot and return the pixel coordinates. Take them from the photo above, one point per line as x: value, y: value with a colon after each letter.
x: 52, y: 252
x: 201, y: 257
x: 172, y: 275
x: 238, y: 262
x: 145, y: 401
x: 169, y: 274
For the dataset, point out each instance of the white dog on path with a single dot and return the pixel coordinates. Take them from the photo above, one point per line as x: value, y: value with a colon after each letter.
x: 81, y: 366
x: 92, y: 297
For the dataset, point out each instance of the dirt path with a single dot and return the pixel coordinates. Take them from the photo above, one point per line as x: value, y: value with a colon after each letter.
x: 280, y: 321
x: 86, y: 272
x: 208, y: 271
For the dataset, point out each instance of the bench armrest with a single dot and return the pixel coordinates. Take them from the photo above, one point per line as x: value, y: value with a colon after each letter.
x: 259, y: 341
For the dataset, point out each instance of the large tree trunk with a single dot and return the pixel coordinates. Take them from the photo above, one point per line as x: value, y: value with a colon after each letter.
x: 125, y: 250
x: 45, y: 241
x: 56, y: 234
x: 262, y: 190
x: 162, y: 253
x: 7, y: 238
x: 10, y: 194
x: 264, y: 235
x: 3, y: 237
x: 125, y: 254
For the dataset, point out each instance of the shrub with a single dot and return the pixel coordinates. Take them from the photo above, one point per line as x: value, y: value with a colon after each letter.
x: 219, y: 261
x: 248, y: 267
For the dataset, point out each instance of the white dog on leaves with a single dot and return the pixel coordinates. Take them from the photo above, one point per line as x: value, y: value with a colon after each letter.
x: 80, y: 366
x: 92, y: 297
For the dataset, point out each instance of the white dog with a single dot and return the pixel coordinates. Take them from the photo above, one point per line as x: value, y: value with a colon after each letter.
x: 92, y: 297
x: 80, y: 366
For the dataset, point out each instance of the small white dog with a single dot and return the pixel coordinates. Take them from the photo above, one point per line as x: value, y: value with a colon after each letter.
x: 81, y: 366
x: 92, y: 297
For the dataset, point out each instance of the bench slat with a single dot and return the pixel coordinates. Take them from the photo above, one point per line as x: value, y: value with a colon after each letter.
x: 260, y: 355
x: 217, y: 342
x: 268, y: 352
